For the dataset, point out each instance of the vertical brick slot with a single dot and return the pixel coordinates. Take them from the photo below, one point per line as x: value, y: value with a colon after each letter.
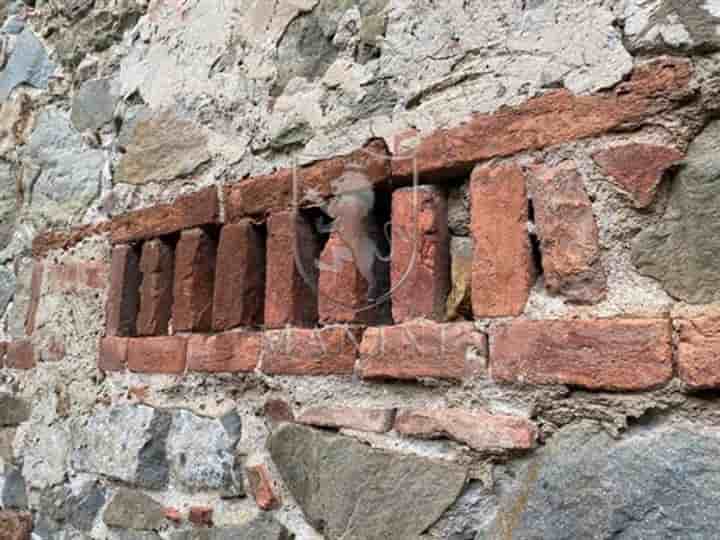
x: 290, y: 293
x: 124, y: 295
x: 503, y: 271
x: 240, y: 276
x: 156, y: 290
x: 420, y: 270
x: 194, y: 283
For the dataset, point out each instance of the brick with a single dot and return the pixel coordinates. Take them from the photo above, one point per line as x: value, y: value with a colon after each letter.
x: 291, y: 291
x: 15, y: 525
x: 503, y: 271
x: 553, y: 118
x: 157, y: 354
x: 189, y: 211
x: 201, y: 515
x: 173, y: 514
x: 261, y: 488
x: 194, y: 281
x: 420, y: 254
x: 278, y: 411
x: 637, y: 169
x: 123, y: 303
x: 75, y: 276
x: 298, y: 351
x: 48, y: 241
x: 113, y: 354
x: 239, y: 277
x: 36, y: 283
x: 602, y: 354
x: 698, y: 352
x: 232, y: 352
x: 479, y: 430
x: 20, y: 355
x: 372, y: 420
x: 423, y: 349
x: 274, y: 192
x: 568, y: 234
x: 156, y: 290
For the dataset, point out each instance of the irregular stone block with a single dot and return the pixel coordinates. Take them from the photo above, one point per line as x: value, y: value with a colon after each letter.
x: 28, y: 64
x: 602, y: 354
x: 201, y: 515
x: 698, y: 352
x: 157, y: 355
x: 76, y: 505
x: 13, y: 493
x: 503, y: 271
x: 94, y: 104
x: 194, y: 281
x: 7, y: 288
x: 420, y: 254
x: 373, y: 420
x: 231, y: 352
x: 123, y: 303
x: 351, y: 491
x: 262, y: 527
x: 156, y: 290
x: 239, y: 277
x: 261, y: 487
x: 568, y: 234
x: 129, y: 509
x: 45, y: 456
x: 417, y: 350
x: 13, y: 411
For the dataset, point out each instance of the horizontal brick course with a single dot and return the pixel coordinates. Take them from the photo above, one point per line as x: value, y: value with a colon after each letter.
x: 157, y: 355
x: 698, y: 355
x: 232, y: 352
x: 113, y: 354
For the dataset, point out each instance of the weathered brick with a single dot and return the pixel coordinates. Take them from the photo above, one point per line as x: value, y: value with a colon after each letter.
x: 568, y: 233
x: 261, y: 487
x: 602, y: 354
x: 165, y: 354
x: 201, y: 515
x: 550, y: 119
x: 420, y: 254
x: 274, y: 192
x: 231, y: 352
x: 194, y: 281
x: 373, y: 420
x: 698, y: 355
x: 189, y: 211
x: 291, y: 291
x: 75, y: 276
x: 20, y: 355
x: 239, y: 277
x: 15, y: 525
x: 298, y: 351
x: 123, y: 301
x: 156, y: 291
x: 113, y: 354
x: 421, y: 349
x: 480, y: 430
x: 503, y: 271
x: 638, y: 169
x: 36, y: 283
x: 278, y: 411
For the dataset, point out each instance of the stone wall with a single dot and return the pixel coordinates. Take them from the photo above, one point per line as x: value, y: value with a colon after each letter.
x: 359, y: 270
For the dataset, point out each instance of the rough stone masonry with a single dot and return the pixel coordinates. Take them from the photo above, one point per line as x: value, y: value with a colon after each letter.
x: 359, y: 270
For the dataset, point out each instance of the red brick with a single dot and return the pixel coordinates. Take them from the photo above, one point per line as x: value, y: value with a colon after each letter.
x: 261, y: 487
x: 417, y: 350
x: 278, y: 411
x: 189, y: 211
x: 173, y: 514
x: 291, y: 291
x: 274, y: 192
x: 553, y: 118
x: 48, y: 241
x: 231, y: 352
x: 602, y: 354
x: 239, y: 277
x: 420, y: 254
x: 503, y: 271
x: 113, y: 354
x: 76, y: 276
x: 20, y: 355
x: 15, y: 525
x: 36, y: 283
x: 698, y: 355
x: 194, y: 281
x: 201, y: 515
x: 157, y: 355
x: 373, y: 420
x: 324, y: 351
x: 480, y: 430
x: 156, y: 291
x: 638, y: 169
x: 123, y: 301
x: 568, y: 234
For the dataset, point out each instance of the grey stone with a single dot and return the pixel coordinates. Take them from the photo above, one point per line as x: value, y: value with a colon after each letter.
x: 45, y: 452
x: 660, y: 483
x: 94, y: 104
x: 28, y: 64
x: 350, y: 491
x: 14, y: 24
x: 7, y: 288
x: 13, y: 411
x: 133, y: 535
x: 13, y: 493
x: 130, y: 509
x: 161, y: 147
x: 8, y: 202
x: 261, y: 528
x: 126, y: 443
x: 64, y: 174
x: 78, y: 507
x: 207, y: 462
x: 683, y: 250
x: 7, y: 436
